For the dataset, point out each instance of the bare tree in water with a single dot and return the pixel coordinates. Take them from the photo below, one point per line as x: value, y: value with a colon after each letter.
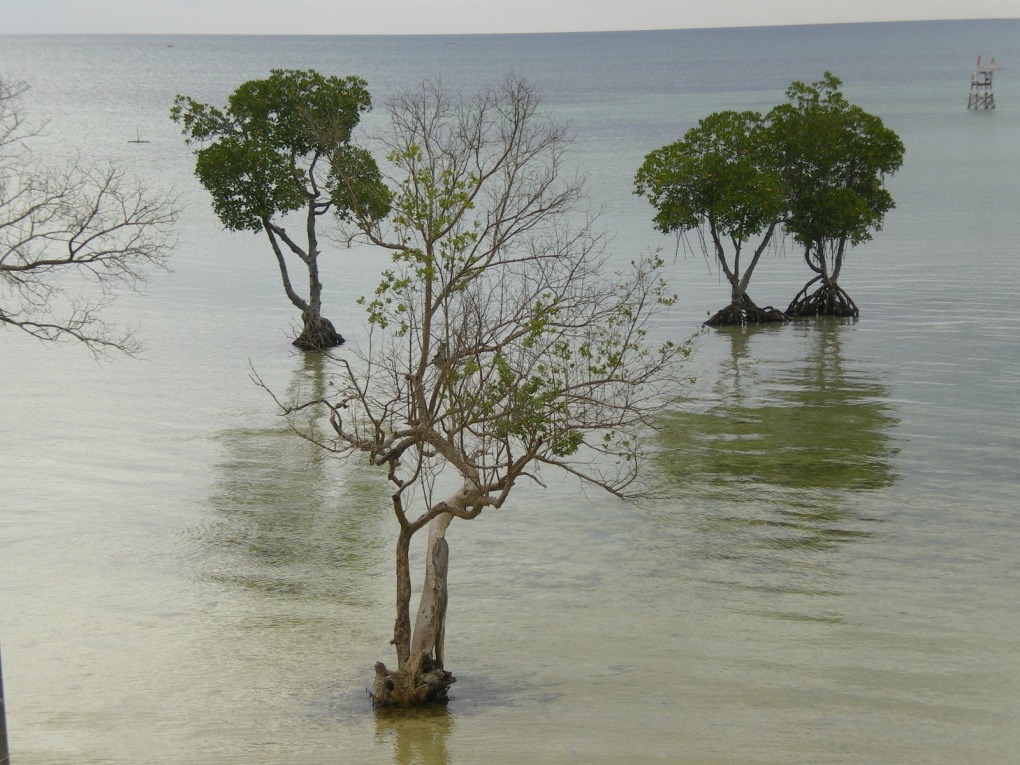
x: 500, y: 347
x: 70, y: 237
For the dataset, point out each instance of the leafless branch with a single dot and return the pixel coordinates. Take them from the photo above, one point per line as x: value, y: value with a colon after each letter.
x: 70, y: 237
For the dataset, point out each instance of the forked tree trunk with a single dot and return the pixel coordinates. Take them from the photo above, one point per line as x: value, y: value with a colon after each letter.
x: 829, y: 299
x: 419, y: 677
x: 741, y: 310
x: 317, y: 332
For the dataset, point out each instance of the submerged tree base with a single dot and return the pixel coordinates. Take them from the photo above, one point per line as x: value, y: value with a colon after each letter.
x: 827, y: 300
x: 745, y: 312
x: 430, y: 685
x: 318, y: 335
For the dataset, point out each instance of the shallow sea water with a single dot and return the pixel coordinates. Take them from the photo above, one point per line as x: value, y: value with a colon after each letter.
x: 831, y: 579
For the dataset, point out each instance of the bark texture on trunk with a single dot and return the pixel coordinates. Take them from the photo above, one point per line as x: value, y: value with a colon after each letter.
x: 420, y: 677
x: 430, y: 626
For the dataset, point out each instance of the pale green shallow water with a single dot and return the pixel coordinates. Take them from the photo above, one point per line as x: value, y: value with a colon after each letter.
x: 833, y: 578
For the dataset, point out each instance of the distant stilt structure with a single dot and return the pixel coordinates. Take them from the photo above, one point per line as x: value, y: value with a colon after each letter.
x: 981, y: 95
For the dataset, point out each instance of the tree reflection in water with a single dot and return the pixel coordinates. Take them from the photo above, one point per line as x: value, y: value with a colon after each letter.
x: 289, y: 520
x: 418, y: 735
x: 776, y: 460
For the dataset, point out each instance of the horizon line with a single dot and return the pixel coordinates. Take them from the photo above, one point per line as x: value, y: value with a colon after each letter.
x: 497, y: 34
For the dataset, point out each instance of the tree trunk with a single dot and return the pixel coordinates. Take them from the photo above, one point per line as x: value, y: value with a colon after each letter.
x: 828, y: 300
x: 420, y: 677
x: 402, y: 624
x: 400, y: 689
x: 430, y: 626
x: 742, y: 310
x: 318, y: 334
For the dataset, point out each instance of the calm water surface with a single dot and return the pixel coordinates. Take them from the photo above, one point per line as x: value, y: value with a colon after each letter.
x: 834, y: 578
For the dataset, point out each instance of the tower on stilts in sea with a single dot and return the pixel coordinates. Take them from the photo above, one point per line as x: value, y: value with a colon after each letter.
x: 981, y: 95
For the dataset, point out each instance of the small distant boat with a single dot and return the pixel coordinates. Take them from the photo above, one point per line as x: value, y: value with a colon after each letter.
x: 138, y: 138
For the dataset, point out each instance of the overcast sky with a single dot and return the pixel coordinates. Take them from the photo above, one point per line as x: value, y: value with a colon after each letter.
x: 460, y: 16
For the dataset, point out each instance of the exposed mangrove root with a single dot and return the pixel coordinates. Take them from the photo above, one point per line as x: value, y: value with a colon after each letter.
x: 318, y: 335
x: 421, y: 678
x: 828, y: 300
x: 745, y: 312
x: 404, y: 688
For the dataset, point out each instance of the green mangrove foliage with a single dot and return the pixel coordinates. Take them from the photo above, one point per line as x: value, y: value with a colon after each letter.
x: 813, y: 167
x: 719, y: 181
x: 834, y: 158
x: 276, y: 149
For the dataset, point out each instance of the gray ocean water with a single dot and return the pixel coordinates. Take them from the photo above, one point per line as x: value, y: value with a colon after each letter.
x: 835, y: 577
